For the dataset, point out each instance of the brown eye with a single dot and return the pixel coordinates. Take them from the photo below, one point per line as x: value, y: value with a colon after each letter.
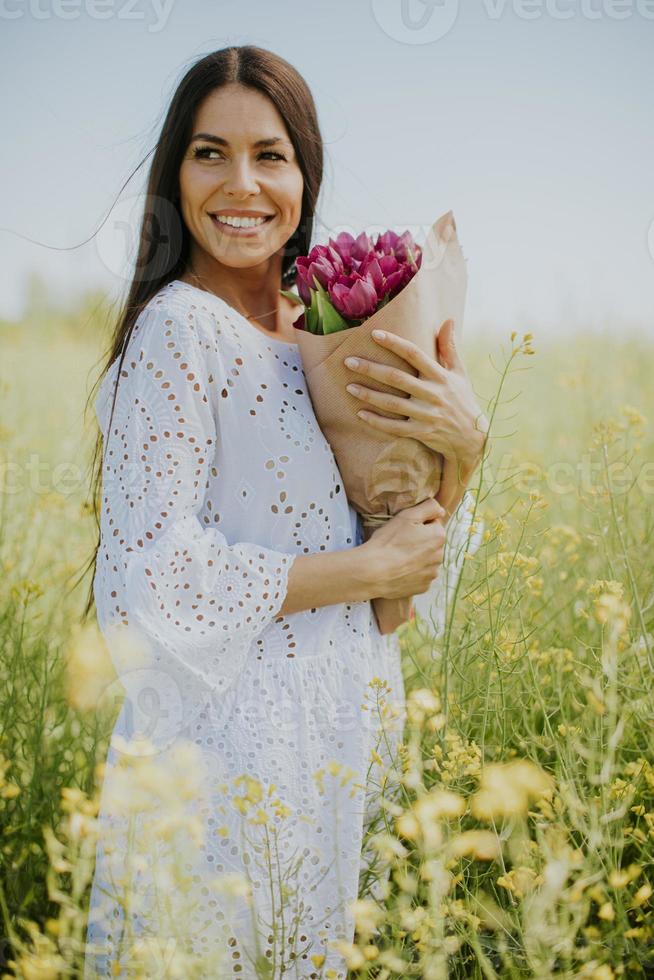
x: 203, y: 151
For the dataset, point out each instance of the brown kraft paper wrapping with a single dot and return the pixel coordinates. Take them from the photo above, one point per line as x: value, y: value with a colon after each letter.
x: 382, y: 474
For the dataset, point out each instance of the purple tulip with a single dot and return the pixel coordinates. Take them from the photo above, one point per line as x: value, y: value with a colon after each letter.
x: 324, y: 263
x: 353, y: 297
x: 386, y: 243
x: 343, y: 244
x: 399, y: 245
x: 361, y: 248
x: 302, y: 264
x: 371, y: 270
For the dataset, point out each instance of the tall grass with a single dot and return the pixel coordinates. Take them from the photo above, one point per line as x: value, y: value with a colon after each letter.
x: 517, y: 823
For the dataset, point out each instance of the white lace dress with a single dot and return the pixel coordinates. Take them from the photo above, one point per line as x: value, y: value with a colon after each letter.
x: 215, y: 477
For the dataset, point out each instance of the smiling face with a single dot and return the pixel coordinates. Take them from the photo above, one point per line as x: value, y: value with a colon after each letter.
x: 239, y: 161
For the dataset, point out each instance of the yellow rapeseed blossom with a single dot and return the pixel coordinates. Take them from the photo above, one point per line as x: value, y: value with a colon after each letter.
x: 609, y: 609
x: 634, y: 417
x: 519, y: 881
x: 506, y: 789
x: 603, y: 972
x: 482, y: 845
x: 352, y: 955
x: 439, y: 804
x: 643, y: 895
x: 89, y: 668
x: 367, y: 916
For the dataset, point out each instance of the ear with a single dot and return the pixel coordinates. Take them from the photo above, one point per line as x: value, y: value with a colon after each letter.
x: 446, y: 351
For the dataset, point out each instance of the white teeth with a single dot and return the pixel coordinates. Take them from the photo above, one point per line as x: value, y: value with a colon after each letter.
x: 239, y: 222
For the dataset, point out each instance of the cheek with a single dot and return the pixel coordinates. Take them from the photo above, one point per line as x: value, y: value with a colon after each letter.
x: 194, y: 183
x: 293, y: 187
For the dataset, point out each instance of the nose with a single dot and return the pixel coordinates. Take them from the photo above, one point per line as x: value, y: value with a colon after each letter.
x: 240, y: 180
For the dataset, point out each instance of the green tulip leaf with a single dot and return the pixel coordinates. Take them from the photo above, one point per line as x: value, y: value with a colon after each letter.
x: 291, y: 295
x: 312, y: 315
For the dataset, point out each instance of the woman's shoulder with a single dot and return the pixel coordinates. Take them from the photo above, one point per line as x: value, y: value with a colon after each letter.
x: 178, y: 301
x: 173, y: 331
x: 182, y: 315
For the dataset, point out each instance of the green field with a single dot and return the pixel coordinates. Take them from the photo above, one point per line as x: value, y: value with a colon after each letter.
x: 522, y: 842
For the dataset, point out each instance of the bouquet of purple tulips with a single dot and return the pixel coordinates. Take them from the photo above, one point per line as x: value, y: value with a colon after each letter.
x: 350, y: 287
x: 344, y: 282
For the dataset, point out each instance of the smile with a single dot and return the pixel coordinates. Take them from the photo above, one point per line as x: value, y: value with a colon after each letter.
x: 240, y: 226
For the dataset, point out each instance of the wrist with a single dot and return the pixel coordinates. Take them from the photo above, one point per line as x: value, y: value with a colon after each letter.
x: 470, y: 459
x: 366, y: 572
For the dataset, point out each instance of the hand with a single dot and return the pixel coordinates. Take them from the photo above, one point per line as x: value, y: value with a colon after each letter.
x: 403, y: 555
x: 440, y: 404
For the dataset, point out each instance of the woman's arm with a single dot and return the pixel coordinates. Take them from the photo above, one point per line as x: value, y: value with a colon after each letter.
x: 193, y: 600
x: 323, y: 579
x: 457, y: 473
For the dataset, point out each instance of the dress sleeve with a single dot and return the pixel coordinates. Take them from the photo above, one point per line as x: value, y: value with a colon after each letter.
x: 196, y: 600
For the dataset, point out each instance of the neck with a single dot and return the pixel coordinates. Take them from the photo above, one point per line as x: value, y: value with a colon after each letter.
x: 254, y: 290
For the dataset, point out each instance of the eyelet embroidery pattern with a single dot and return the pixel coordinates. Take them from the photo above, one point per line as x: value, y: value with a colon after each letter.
x: 215, y: 477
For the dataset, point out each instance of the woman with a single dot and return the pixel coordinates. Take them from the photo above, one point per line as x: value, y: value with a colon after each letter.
x: 230, y: 554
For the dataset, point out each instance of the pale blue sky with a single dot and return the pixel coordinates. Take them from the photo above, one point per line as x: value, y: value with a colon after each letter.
x: 531, y: 120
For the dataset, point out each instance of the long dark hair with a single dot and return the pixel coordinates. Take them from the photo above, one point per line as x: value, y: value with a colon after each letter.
x: 164, y: 240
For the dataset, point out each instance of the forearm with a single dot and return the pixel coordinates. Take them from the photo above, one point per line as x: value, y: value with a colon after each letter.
x: 457, y: 473
x: 454, y: 482
x: 324, y: 579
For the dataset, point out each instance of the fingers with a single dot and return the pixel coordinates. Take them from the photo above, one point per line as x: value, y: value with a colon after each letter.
x: 427, y: 510
x: 392, y: 376
x: 428, y: 367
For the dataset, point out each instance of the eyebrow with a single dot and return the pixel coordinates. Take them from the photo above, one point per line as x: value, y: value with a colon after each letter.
x: 270, y: 141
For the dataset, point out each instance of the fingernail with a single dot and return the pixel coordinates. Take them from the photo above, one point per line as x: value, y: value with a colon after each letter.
x: 378, y: 334
x: 351, y: 362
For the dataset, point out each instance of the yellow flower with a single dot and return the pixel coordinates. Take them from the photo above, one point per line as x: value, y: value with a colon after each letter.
x: 507, y: 789
x: 240, y: 804
x: 89, y: 669
x: 482, y: 845
x: 354, y: 959
x: 439, y: 804
x: 520, y: 881
x: 643, y: 895
x: 634, y: 417
x: 619, y: 878
x: 603, y: 972
x: 610, y: 609
x: 367, y: 916
x: 408, y: 826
